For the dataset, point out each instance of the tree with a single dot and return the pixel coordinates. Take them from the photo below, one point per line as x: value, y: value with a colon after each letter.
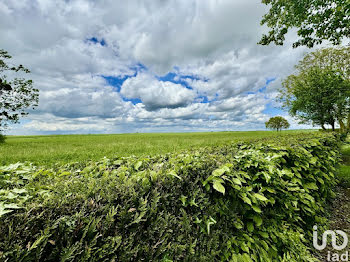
x: 16, y: 94
x: 277, y: 123
x: 316, y: 21
x: 319, y: 92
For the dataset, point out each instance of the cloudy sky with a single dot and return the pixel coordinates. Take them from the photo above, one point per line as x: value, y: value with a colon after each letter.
x: 145, y: 65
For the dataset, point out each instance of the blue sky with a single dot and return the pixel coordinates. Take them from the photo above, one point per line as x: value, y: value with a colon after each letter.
x: 154, y: 66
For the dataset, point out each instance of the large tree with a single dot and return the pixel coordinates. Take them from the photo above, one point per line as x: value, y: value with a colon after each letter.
x: 319, y: 91
x: 17, y: 94
x: 277, y: 123
x: 315, y: 21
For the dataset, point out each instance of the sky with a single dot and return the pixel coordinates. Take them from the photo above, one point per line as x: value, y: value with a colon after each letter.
x: 114, y: 66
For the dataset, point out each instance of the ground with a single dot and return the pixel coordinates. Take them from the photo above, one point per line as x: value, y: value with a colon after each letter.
x: 340, y: 207
x: 60, y: 149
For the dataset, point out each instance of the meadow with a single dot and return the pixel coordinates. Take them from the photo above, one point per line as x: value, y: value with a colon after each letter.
x: 62, y: 149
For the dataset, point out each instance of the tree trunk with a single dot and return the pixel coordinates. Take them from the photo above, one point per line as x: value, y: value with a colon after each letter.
x: 333, y: 126
x: 342, y: 125
x: 323, y: 127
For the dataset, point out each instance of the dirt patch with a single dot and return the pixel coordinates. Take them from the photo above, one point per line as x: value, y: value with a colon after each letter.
x: 339, y: 211
x: 346, y: 160
x: 339, y: 220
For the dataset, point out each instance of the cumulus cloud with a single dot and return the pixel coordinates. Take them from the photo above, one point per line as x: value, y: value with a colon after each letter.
x: 156, y: 94
x: 101, y: 66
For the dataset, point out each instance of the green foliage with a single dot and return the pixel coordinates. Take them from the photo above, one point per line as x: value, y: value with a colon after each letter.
x: 277, y: 123
x: 2, y: 138
x: 239, y: 202
x: 62, y: 149
x: 316, y: 21
x: 16, y: 95
x: 319, y: 93
x: 344, y: 170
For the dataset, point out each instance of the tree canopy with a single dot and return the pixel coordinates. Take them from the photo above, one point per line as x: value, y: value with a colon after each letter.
x: 315, y: 20
x: 277, y: 123
x: 17, y: 94
x: 319, y: 91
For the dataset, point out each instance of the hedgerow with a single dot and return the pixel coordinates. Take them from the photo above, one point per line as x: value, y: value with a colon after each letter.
x: 239, y: 202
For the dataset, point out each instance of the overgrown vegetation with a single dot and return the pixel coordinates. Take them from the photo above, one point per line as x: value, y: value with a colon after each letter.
x: 239, y: 202
x: 2, y: 138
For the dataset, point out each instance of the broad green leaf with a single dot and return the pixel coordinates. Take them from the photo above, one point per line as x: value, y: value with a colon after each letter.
x: 246, y: 200
x: 258, y: 220
x: 218, y: 187
x: 313, y: 160
x: 246, y: 258
x: 65, y: 173
x: 250, y: 226
x: 220, y: 171
x: 4, y: 211
x: 260, y: 197
x: 244, y: 247
x: 12, y: 206
x: 238, y: 224
x: 138, y: 165
x: 19, y: 190
x: 256, y: 209
x: 264, y: 234
x: 173, y: 173
x: 311, y: 186
x: 236, y: 181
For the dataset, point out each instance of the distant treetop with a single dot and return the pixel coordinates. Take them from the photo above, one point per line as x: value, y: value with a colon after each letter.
x: 277, y: 123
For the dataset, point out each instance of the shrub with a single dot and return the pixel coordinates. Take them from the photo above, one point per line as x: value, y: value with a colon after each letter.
x: 2, y: 138
x: 240, y: 202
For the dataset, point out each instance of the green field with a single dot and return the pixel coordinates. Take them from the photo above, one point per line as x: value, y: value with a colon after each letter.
x: 344, y: 170
x: 48, y: 150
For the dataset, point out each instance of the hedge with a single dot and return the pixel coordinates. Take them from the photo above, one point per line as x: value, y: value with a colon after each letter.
x: 239, y: 202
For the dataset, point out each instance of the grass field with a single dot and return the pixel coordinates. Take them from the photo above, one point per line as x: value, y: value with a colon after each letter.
x: 344, y: 170
x: 48, y: 150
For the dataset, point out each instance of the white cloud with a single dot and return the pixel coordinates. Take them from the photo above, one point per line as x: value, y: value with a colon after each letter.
x: 157, y: 94
x: 214, y: 41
